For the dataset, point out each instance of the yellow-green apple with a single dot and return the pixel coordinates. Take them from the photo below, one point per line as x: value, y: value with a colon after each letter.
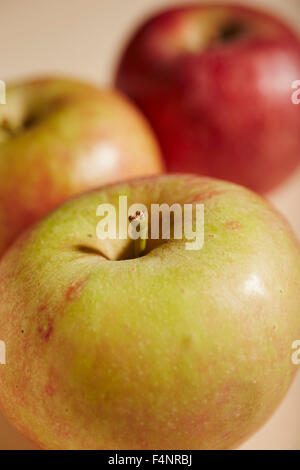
x: 59, y: 137
x: 175, y: 349
x: 215, y: 83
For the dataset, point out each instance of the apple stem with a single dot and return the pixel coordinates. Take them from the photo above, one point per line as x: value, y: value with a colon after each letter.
x: 140, y: 220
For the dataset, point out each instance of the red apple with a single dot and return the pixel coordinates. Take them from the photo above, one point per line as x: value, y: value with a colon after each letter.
x: 215, y: 83
x: 61, y: 137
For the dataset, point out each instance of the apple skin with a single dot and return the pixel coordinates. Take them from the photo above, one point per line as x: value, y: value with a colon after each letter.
x: 176, y: 349
x: 215, y: 83
x: 60, y: 137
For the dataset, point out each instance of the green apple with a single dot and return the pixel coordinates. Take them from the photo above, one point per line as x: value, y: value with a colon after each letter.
x: 175, y: 349
x: 60, y: 137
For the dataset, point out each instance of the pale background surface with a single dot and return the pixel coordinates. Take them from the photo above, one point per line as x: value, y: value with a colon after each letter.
x: 83, y: 38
